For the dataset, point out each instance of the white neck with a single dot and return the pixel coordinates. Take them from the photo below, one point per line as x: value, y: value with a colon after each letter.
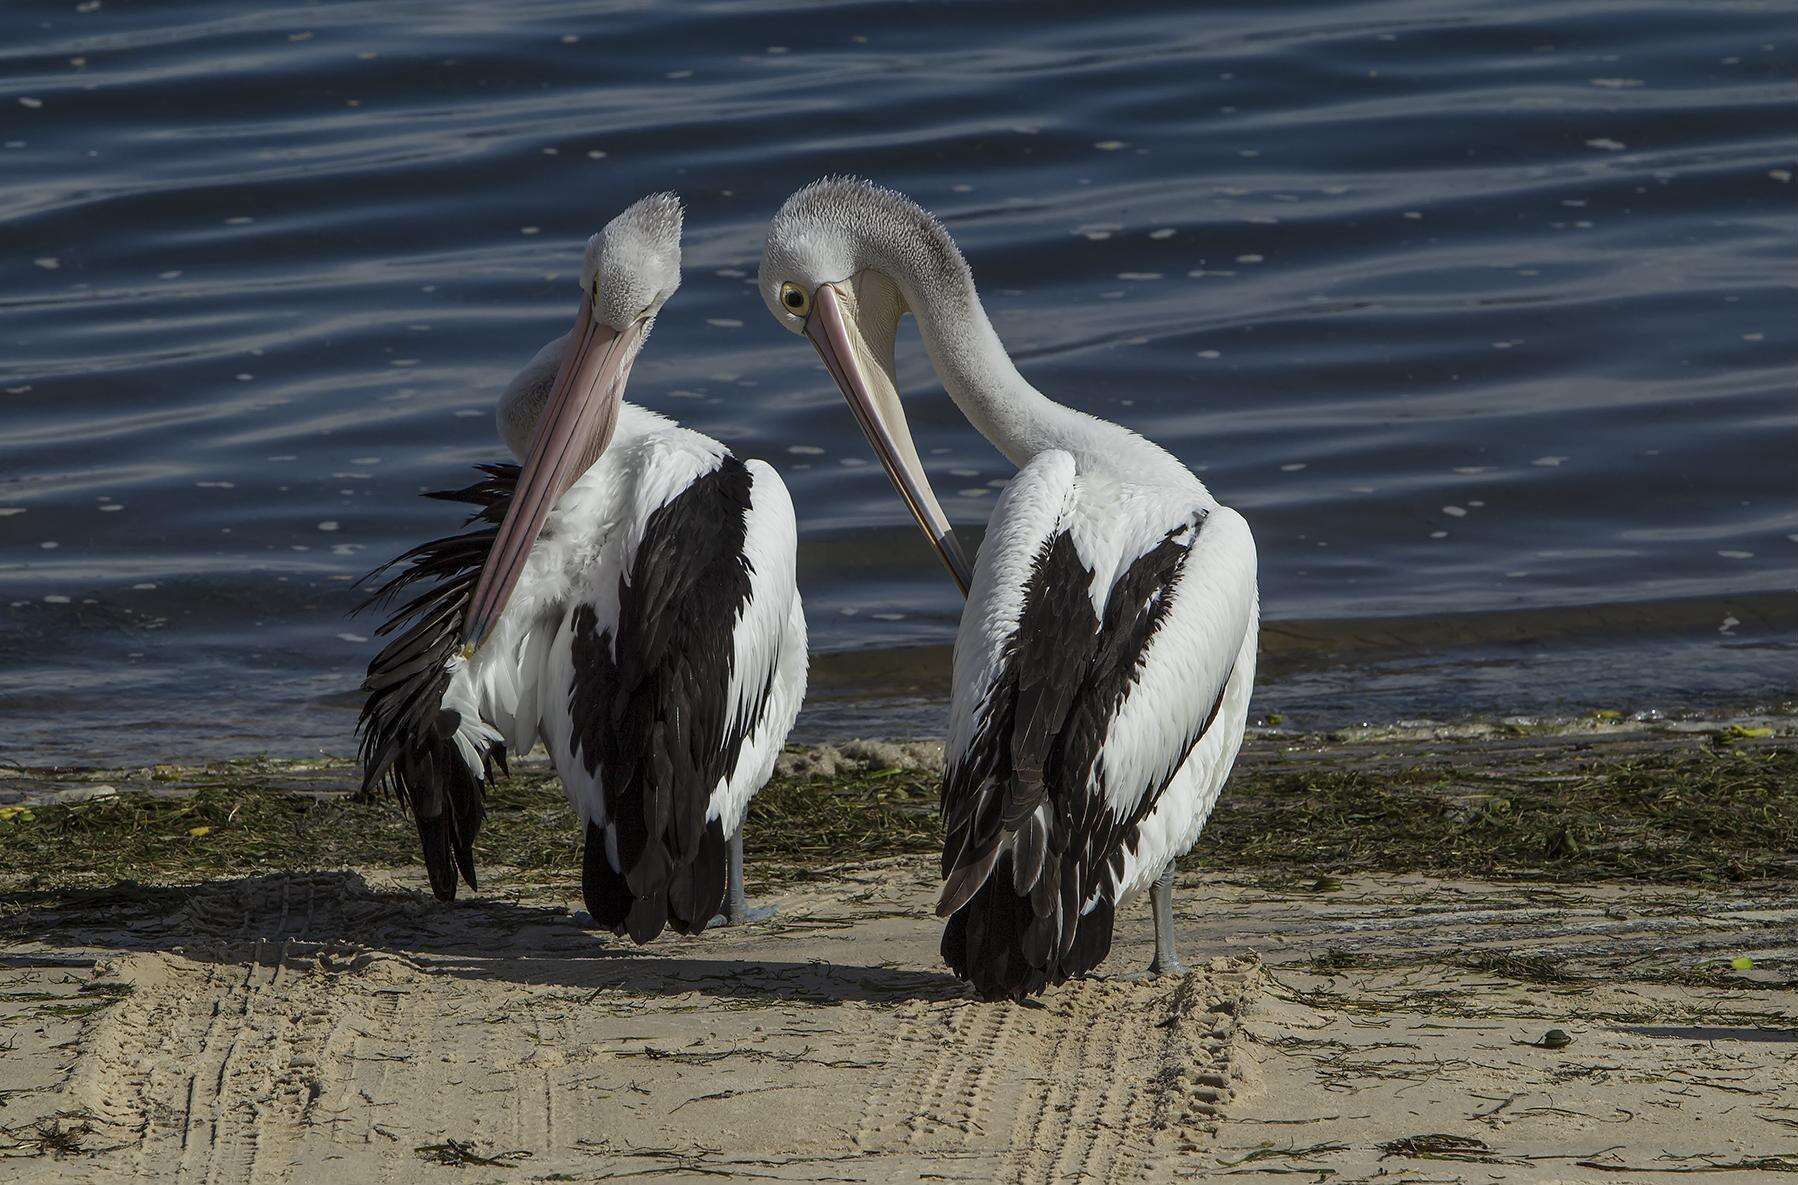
x: 979, y: 375
x: 1004, y: 407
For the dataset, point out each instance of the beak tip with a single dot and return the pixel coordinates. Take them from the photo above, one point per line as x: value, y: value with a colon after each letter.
x: 950, y: 546
x: 476, y: 625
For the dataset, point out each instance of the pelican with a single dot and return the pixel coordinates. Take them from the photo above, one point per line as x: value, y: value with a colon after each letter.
x: 1107, y: 649
x: 626, y: 596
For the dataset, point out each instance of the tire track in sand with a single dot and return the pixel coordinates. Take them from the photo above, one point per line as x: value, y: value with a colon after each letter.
x: 1148, y: 1073
x: 1102, y: 1080
x: 240, y: 1121
x: 212, y: 1069
x: 260, y: 1053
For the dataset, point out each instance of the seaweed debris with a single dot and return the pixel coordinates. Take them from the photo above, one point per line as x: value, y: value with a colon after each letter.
x: 1688, y: 815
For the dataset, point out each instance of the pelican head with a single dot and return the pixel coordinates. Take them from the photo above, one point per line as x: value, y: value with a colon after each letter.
x: 844, y: 261
x: 629, y: 271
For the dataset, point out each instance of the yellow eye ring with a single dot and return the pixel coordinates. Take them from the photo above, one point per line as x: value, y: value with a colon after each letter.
x: 794, y: 299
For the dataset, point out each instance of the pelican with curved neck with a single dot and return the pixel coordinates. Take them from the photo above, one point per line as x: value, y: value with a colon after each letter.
x: 844, y: 262
x: 1106, y: 655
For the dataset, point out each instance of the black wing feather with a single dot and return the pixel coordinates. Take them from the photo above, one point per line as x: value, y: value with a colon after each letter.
x: 405, y: 733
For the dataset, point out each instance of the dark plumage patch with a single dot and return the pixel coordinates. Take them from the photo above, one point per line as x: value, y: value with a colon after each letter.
x: 652, y: 717
x: 1015, y: 921
x: 406, y: 736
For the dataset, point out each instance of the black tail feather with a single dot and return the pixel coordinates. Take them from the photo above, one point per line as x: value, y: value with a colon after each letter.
x: 696, y: 892
x: 437, y: 838
x: 1092, y: 940
x: 406, y: 737
x: 608, y: 897
x: 687, y: 899
x: 1000, y: 943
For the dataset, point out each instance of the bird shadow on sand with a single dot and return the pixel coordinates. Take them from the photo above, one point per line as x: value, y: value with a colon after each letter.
x: 332, y: 918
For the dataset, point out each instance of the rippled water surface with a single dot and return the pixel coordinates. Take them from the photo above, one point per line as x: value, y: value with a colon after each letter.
x: 1484, y: 315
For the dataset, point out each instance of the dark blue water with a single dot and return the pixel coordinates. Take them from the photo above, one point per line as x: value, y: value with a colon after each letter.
x: 1484, y: 315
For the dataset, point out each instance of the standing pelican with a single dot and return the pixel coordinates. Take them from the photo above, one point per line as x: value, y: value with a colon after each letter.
x: 628, y: 598
x: 1107, y: 650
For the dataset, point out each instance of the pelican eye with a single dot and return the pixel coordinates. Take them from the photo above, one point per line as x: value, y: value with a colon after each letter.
x: 794, y: 297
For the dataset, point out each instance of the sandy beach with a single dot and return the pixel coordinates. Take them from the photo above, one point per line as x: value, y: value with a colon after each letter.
x: 336, y: 1024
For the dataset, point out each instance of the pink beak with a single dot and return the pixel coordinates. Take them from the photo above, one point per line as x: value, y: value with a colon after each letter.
x: 828, y: 330
x: 573, y: 430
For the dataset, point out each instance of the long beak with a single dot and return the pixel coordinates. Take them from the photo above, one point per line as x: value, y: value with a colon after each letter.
x: 574, y: 428
x: 884, y: 424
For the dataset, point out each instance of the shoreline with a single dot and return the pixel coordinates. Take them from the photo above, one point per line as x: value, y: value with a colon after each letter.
x: 1562, y: 663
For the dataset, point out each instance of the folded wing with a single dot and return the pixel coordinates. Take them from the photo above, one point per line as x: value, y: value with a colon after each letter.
x: 1094, y: 652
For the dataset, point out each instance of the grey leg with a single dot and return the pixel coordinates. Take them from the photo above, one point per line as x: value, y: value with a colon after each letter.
x: 1161, y: 899
x: 736, y: 902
